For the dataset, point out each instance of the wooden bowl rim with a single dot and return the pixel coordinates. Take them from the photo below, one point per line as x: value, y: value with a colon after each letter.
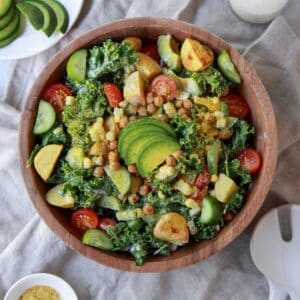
x: 188, y: 255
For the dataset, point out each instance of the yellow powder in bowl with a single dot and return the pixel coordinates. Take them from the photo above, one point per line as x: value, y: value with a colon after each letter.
x: 40, y: 292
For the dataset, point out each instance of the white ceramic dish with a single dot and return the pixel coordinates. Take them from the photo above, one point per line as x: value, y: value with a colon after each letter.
x: 65, y: 291
x: 31, y: 41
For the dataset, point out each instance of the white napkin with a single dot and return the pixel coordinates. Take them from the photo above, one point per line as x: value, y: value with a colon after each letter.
x: 26, y: 244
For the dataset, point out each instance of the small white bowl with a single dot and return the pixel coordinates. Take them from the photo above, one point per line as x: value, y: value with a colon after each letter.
x: 65, y: 291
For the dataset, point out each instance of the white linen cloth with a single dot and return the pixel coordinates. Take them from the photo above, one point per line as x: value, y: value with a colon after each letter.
x: 28, y: 246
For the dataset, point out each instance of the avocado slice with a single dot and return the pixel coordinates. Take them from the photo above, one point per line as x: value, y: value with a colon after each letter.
x: 12, y: 37
x: 48, y: 14
x: 8, y: 16
x: 32, y: 14
x: 97, y: 238
x: 168, y: 50
x: 121, y: 178
x: 126, y: 137
x: 110, y: 202
x: 153, y: 154
x: 188, y: 85
x: 4, y: 7
x: 213, y: 155
x: 10, y: 27
x: 139, y: 142
x: 150, y: 121
x: 61, y: 15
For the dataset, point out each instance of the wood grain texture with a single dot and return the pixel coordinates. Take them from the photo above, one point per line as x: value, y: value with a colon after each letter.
x: 265, y: 141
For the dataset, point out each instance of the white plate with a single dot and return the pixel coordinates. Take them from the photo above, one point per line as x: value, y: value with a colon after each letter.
x: 62, y: 287
x: 31, y: 41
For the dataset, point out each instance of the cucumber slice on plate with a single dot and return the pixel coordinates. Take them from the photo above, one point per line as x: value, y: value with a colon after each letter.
x: 45, y: 118
x: 97, y: 238
x: 211, y: 211
x: 76, y: 66
x: 227, y: 67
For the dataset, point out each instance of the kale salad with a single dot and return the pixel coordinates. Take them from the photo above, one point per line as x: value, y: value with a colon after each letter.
x: 148, y: 144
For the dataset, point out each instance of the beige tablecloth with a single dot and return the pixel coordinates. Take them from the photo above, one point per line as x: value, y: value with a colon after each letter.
x: 27, y: 245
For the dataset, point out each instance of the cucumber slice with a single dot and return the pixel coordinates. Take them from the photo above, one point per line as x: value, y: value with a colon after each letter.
x: 45, y: 118
x: 127, y: 215
x: 211, y: 211
x: 76, y: 66
x: 75, y: 157
x: 213, y: 154
x: 61, y: 15
x: 97, y: 238
x: 6, y: 19
x: 227, y: 67
x: 32, y: 14
x: 48, y: 14
x: 110, y: 202
x: 4, y: 7
x: 57, y: 197
x: 121, y: 178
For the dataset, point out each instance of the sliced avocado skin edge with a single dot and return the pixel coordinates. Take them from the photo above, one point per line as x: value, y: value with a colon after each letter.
x: 10, y: 27
x: 61, y: 13
x: 49, y: 16
x: 7, y: 17
x: 6, y: 4
x: 12, y: 37
x: 32, y: 14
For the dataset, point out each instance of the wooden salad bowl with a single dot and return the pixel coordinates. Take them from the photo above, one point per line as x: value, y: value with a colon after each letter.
x: 265, y: 142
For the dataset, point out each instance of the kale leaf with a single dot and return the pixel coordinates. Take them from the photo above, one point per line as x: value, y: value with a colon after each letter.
x: 241, y: 132
x: 189, y: 165
x: 56, y: 135
x: 111, y: 60
x: 205, y: 232
x: 210, y: 81
x: 189, y: 138
x: 33, y: 153
x: 235, y: 202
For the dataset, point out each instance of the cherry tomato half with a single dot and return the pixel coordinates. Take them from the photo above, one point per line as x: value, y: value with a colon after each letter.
x: 237, y: 106
x: 250, y: 160
x: 84, y: 218
x: 56, y: 94
x: 113, y: 94
x: 106, y: 222
x: 202, y: 179
x: 151, y: 50
x: 164, y: 86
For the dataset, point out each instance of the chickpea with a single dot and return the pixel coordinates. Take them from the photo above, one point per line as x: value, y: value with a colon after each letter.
x: 225, y: 134
x: 123, y: 121
x: 178, y: 103
x: 187, y: 104
x: 163, y: 117
x: 132, y: 168
x: 121, y: 197
x: 149, y: 98
x: 171, y: 161
x: 158, y: 101
x: 115, y: 166
x: 110, y: 136
x: 148, y: 209
x: 177, y: 154
x: 182, y: 111
x: 113, y: 156
x: 142, y: 111
x: 113, y: 145
x: 151, y: 108
x: 131, y: 118
x: 133, y: 198
x: 144, y: 190
x: 228, y: 216
x: 98, y: 172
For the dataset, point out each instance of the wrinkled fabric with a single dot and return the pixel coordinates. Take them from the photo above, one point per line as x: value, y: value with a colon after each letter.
x: 28, y: 246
